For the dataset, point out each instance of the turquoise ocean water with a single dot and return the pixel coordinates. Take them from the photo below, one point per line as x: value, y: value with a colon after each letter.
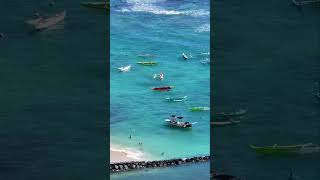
x: 165, y: 29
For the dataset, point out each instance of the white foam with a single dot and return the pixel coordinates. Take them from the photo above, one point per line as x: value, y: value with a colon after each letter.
x: 203, y: 28
x: 149, y: 6
x: 129, y: 152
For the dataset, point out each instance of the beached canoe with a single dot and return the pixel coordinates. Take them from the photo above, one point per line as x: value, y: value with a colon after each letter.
x: 164, y: 88
x: 147, y: 63
x: 286, y: 150
x: 196, y: 109
x: 44, y: 23
x: 176, y: 99
x: 97, y: 5
x: 224, y: 123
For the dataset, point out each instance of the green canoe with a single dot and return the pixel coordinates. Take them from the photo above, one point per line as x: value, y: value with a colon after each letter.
x: 195, y: 109
x: 97, y: 5
x: 147, y: 63
x: 282, y: 150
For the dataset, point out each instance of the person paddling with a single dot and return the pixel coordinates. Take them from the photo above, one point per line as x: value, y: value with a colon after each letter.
x: 161, y: 76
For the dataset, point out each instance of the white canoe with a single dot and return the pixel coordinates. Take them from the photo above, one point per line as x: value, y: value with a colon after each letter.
x: 125, y: 68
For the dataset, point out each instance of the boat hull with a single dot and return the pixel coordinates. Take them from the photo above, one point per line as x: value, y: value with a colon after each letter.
x: 197, y: 109
x: 279, y: 150
x: 178, y: 99
x: 42, y: 23
x: 151, y: 63
x: 168, y: 88
x: 179, y: 124
x: 224, y: 123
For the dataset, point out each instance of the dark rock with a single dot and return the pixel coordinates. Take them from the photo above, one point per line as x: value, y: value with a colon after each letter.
x: 126, y: 166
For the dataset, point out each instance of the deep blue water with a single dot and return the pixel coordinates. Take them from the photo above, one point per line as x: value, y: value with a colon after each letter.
x: 165, y: 29
x: 266, y: 60
x: 53, y: 93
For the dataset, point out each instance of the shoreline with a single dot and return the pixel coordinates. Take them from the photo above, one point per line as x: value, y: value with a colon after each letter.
x: 120, y: 154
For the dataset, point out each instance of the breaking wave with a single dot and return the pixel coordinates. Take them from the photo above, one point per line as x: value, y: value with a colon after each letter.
x: 150, y: 6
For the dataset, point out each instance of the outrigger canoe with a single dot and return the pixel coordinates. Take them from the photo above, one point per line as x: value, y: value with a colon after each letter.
x: 164, y: 88
x: 125, y: 68
x: 146, y: 55
x: 224, y: 123
x: 147, y: 63
x: 97, y: 5
x: 300, y: 3
x: 195, y: 109
x: 176, y: 99
x: 184, y: 56
x: 241, y: 112
x: 286, y: 150
x: 44, y: 23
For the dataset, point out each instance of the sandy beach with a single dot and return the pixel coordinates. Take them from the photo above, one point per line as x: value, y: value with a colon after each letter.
x: 118, y: 154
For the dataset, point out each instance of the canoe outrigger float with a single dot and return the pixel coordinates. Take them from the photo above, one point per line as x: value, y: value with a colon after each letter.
x: 301, y: 3
x: 147, y: 63
x: 196, y: 109
x: 97, y: 5
x: 286, y: 150
x: 164, y: 88
x: 176, y: 99
x: 241, y: 112
x: 173, y: 120
x: 43, y: 23
x: 225, y: 123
